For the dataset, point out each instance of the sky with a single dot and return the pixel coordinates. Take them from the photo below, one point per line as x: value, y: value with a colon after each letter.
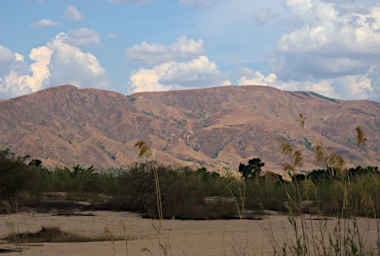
x: 331, y: 47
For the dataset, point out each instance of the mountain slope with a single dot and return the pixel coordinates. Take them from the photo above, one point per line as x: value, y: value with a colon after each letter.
x: 215, y: 127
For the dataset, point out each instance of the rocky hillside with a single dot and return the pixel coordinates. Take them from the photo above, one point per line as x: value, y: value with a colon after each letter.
x: 215, y: 127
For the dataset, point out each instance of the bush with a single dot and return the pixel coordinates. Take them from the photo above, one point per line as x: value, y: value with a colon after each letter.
x: 16, y: 178
x: 183, y: 192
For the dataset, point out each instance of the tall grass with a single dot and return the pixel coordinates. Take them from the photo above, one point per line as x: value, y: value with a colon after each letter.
x: 337, y: 237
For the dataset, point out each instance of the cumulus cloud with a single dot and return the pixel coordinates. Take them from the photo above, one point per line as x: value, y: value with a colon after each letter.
x: 56, y: 62
x: 333, y: 49
x: 16, y: 81
x: 257, y: 79
x: 70, y: 65
x: 153, y: 54
x: 353, y: 5
x: 329, y: 43
x: 73, y: 13
x: 5, y: 54
x: 197, y: 73
x: 45, y: 23
x: 10, y: 61
x: 344, y: 87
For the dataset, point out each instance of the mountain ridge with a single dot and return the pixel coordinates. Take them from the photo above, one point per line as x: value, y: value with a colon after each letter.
x: 216, y: 127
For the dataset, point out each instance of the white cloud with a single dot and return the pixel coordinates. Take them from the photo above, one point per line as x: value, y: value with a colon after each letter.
x: 39, y: 69
x: 354, y: 87
x: 10, y: 61
x: 323, y: 87
x: 73, y: 13
x: 257, y: 78
x: 197, y: 73
x: 5, y: 54
x: 352, y: 5
x: 345, y: 87
x: 153, y: 54
x: 70, y: 65
x: 329, y: 43
x: 17, y: 82
x: 45, y: 23
x: 10, y: 64
x: 147, y: 80
x: 38, y: 73
x: 333, y: 49
x: 19, y: 57
x: 81, y: 37
x: 57, y: 62
x: 226, y: 82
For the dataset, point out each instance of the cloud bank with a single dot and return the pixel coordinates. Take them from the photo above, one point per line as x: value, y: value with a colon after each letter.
x: 335, y: 47
x: 56, y: 62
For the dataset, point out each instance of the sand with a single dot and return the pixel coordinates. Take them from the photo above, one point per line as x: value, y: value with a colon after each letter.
x: 177, y: 237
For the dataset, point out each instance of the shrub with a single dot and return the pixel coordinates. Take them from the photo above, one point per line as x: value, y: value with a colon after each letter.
x: 17, y: 178
x: 183, y: 192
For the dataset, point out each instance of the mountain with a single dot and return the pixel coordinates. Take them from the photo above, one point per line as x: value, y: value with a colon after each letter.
x: 215, y: 127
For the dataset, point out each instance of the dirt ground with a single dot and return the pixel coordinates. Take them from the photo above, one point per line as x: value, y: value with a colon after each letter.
x: 177, y: 237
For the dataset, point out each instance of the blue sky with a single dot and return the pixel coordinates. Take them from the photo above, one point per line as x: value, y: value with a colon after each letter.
x: 331, y: 47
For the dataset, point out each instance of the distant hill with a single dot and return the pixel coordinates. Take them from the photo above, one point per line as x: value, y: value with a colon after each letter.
x: 215, y: 127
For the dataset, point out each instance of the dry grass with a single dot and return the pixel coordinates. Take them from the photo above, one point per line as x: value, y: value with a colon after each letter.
x: 56, y: 235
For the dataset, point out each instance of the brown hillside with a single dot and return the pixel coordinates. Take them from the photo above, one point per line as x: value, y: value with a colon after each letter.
x: 215, y: 127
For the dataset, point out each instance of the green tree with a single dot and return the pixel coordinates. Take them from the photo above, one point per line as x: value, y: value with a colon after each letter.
x: 252, y: 169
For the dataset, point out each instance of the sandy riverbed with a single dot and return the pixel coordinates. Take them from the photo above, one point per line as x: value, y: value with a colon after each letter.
x: 208, y: 238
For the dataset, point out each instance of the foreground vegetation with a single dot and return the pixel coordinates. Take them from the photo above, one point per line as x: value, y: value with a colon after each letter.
x: 189, y: 194
x: 199, y: 194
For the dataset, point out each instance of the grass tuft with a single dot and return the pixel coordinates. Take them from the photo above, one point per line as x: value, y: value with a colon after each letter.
x: 55, y: 235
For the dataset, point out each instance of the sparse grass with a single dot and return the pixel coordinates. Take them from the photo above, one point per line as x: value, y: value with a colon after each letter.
x: 341, y: 192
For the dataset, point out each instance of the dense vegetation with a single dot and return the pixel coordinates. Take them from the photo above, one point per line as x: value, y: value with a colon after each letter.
x: 186, y: 193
